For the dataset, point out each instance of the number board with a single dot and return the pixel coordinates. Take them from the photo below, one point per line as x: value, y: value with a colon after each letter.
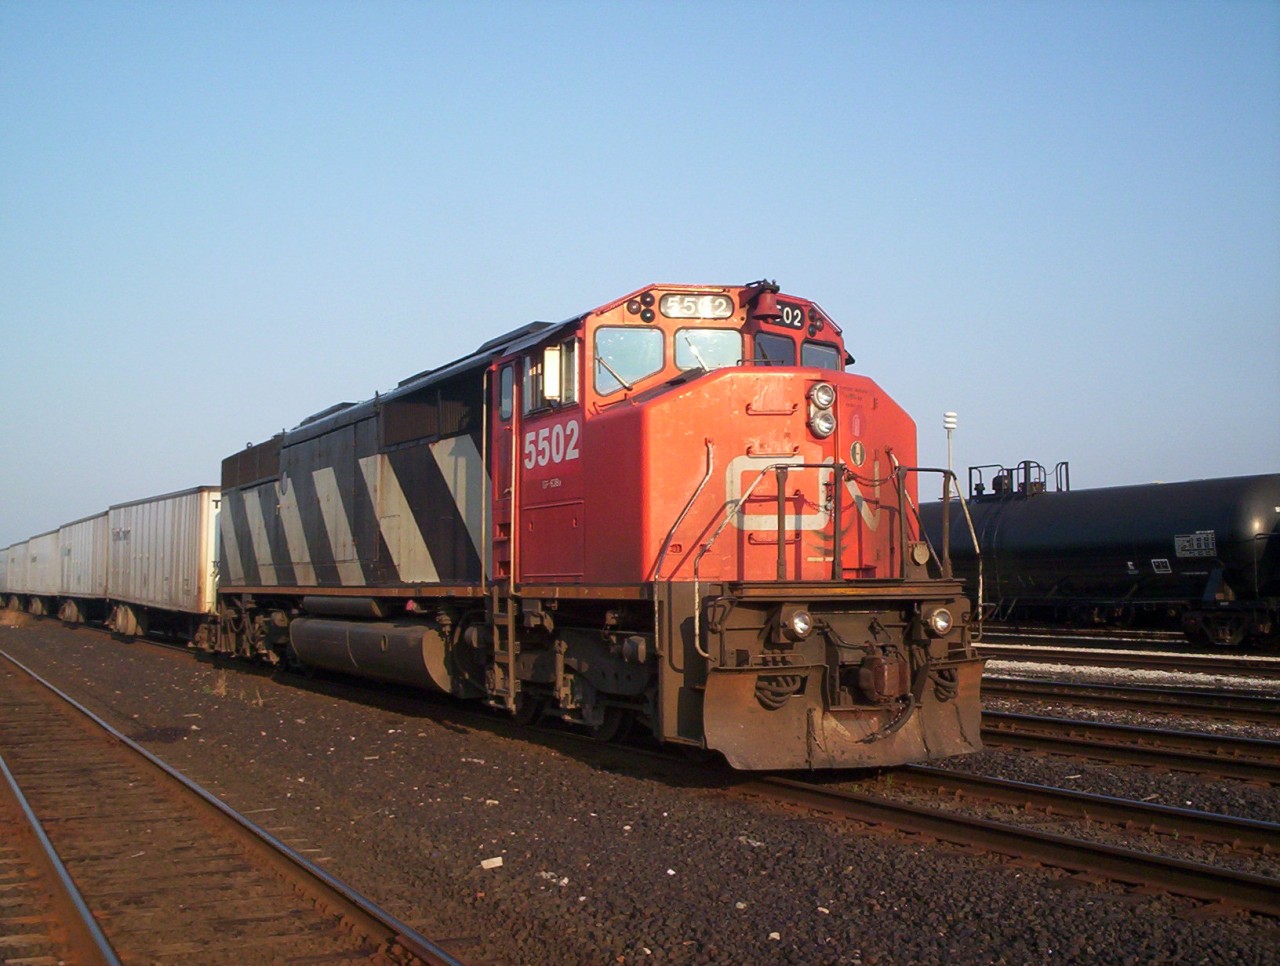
x: 792, y: 315
x: 676, y: 305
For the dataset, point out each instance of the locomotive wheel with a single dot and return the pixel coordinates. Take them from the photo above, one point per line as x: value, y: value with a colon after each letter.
x: 528, y: 708
x: 699, y: 756
x: 617, y: 722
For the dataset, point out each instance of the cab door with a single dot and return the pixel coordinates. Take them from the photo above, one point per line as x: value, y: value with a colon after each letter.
x: 503, y: 432
x: 550, y: 543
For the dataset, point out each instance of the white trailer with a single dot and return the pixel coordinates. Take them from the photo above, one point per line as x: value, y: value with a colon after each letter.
x: 83, y: 547
x: 44, y: 573
x: 162, y: 562
x: 17, y: 576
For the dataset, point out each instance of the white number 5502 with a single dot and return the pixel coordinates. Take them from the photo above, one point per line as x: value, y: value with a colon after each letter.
x: 551, y: 444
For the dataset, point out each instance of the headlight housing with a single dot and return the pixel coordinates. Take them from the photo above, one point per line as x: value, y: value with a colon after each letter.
x: 822, y: 421
x: 795, y: 623
x: 822, y: 395
x: 939, y: 621
x: 801, y: 624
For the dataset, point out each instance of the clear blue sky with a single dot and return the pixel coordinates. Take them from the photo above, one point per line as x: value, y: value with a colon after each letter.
x: 1061, y: 220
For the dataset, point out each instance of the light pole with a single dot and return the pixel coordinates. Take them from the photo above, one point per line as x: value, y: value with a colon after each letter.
x: 949, y: 424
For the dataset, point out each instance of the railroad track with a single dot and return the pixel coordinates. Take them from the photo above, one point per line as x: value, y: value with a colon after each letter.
x: 1237, y: 834
x: 1229, y: 705
x: 1250, y: 759
x: 169, y: 873
x: 1130, y: 867
x: 1258, y: 667
x: 43, y: 917
x: 1085, y: 636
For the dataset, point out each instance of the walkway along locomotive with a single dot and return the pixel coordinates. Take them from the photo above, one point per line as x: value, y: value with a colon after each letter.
x: 1203, y: 555
x: 676, y: 510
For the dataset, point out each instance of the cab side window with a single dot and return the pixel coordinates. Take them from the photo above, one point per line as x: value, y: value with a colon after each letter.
x: 551, y: 376
x: 821, y: 355
x: 506, y: 390
x: 569, y: 371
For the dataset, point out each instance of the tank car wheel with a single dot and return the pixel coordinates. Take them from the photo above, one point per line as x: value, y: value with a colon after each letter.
x: 1229, y: 632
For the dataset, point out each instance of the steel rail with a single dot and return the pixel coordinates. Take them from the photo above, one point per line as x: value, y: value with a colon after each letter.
x: 1227, y: 830
x: 1011, y: 632
x: 1259, y: 667
x: 349, y: 903
x: 1251, y: 759
x: 1256, y: 893
x: 1232, y: 705
x: 88, y: 944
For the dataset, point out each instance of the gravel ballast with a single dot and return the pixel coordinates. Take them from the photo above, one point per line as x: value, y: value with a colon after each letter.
x: 603, y: 859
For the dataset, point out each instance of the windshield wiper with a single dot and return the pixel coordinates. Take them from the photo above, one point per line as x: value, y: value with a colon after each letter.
x: 609, y: 369
x: 696, y: 354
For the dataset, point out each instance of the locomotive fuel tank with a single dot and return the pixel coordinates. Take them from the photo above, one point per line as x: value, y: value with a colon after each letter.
x: 413, y: 653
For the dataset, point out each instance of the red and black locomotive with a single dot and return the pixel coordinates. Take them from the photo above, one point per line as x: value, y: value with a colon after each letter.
x: 676, y: 510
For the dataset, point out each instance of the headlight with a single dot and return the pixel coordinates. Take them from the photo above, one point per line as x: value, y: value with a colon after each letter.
x: 939, y: 621
x: 823, y: 423
x: 822, y: 395
x: 801, y: 624
x: 794, y: 624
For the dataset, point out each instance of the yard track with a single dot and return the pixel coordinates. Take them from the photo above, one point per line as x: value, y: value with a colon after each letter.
x: 1250, y: 759
x: 1226, y: 705
x: 1209, y: 883
x: 1233, y: 665
x: 170, y: 873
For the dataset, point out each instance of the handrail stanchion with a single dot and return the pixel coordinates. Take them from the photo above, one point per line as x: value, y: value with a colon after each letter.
x: 781, y: 470
x: 900, y: 484
x: 837, y: 517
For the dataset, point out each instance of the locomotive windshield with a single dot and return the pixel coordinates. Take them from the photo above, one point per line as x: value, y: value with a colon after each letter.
x: 624, y: 355
x: 708, y: 348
